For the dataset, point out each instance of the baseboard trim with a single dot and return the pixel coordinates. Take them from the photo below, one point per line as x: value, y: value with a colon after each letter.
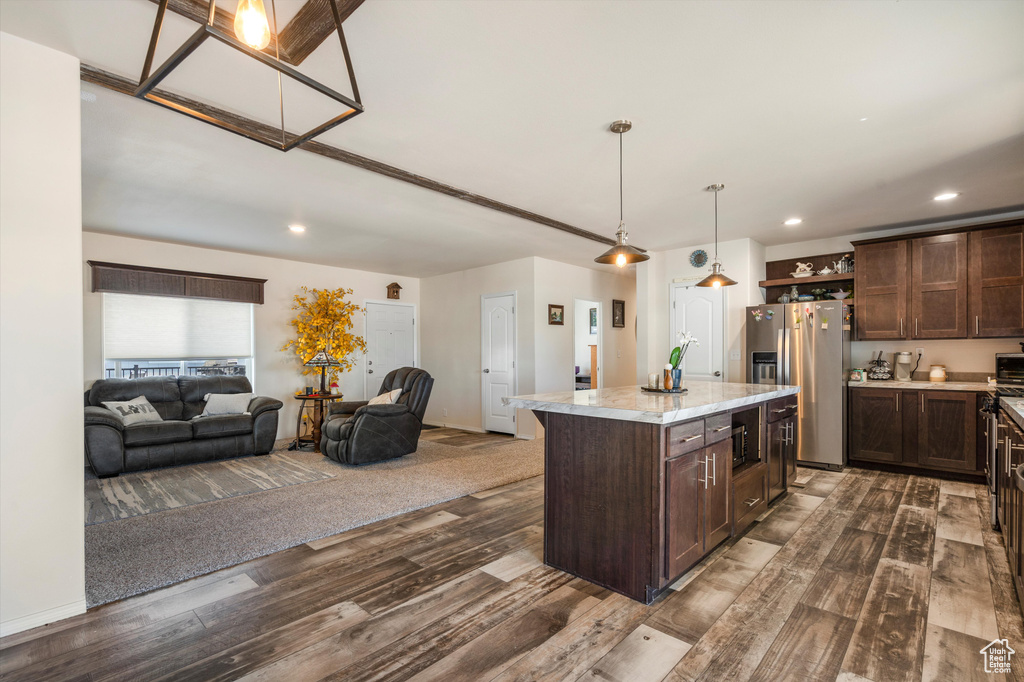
x: 34, y: 620
x: 520, y: 436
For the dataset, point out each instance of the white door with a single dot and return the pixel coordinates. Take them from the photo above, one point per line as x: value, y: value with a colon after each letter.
x: 390, y: 341
x: 699, y: 310
x: 498, y: 360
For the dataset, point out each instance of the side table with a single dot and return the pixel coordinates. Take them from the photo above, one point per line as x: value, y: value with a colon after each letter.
x: 318, y: 401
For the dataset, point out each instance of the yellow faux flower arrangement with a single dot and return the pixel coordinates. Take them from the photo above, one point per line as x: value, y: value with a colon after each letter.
x: 324, y: 322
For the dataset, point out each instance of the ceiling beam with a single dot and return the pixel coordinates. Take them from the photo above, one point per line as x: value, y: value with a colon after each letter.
x: 311, y: 25
x: 126, y: 86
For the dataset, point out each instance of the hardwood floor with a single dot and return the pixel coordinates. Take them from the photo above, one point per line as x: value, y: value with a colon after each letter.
x: 854, y: 576
x: 464, y: 439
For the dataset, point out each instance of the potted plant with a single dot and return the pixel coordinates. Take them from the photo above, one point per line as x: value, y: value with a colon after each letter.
x: 675, y: 358
x: 324, y: 323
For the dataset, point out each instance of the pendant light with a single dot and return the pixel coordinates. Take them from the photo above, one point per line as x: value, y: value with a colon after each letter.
x: 251, y: 25
x: 622, y: 254
x: 716, y: 279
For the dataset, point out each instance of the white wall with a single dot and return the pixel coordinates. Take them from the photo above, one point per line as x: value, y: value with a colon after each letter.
x: 582, y: 338
x: 276, y: 373
x: 959, y: 355
x: 742, y: 260
x: 451, y: 334
x: 42, y: 510
x: 451, y: 340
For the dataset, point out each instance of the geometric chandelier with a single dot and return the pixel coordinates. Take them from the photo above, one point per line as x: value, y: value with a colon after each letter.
x: 251, y: 26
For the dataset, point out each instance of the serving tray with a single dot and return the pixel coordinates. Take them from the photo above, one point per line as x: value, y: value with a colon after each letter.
x: 663, y: 390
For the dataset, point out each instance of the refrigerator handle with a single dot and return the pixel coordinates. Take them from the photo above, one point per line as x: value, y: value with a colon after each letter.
x: 780, y: 359
x: 788, y: 360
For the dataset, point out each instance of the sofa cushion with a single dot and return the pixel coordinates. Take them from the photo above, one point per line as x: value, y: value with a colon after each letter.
x: 161, y: 392
x: 333, y: 427
x: 194, y: 390
x: 154, y: 433
x: 222, y: 425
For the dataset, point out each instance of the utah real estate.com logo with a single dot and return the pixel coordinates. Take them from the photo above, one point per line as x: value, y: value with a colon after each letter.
x: 997, y: 656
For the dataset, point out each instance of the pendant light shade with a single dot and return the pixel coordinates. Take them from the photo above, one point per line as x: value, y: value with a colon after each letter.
x: 622, y: 254
x: 717, y: 279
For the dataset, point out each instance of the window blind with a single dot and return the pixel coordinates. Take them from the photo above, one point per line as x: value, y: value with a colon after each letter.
x: 158, y: 327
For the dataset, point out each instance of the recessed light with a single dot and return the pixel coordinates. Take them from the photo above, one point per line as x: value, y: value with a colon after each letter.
x: 864, y: 119
x: 947, y: 196
x: 793, y: 221
x: 297, y: 228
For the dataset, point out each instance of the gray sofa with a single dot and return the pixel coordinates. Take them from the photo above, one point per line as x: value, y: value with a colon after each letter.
x: 182, y: 438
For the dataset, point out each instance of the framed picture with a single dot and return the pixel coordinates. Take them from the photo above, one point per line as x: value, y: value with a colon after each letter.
x: 593, y: 321
x: 556, y: 314
x: 618, y: 313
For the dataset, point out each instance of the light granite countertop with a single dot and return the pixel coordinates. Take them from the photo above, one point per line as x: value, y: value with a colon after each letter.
x: 629, y: 403
x: 976, y: 387
x: 1012, y: 408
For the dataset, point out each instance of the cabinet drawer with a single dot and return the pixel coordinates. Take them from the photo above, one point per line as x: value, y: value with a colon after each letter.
x: 717, y: 427
x: 749, y: 495
x: 780, y: 408
x: 684, y: 438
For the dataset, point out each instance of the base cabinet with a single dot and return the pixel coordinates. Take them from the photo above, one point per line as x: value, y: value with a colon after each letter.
x: 699, y: 516
x: 1010, y: 499
x: 927, y: 429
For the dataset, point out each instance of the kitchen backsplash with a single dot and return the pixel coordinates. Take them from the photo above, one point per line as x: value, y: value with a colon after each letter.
x: 960, y: 356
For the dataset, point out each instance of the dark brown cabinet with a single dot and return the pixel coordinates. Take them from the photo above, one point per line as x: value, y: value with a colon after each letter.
x: 996, y: 282
x: 880, y: 281
x: 966, y: 283
x: 698, y: 504
x: 938, y: 286
x: 1009, y: 499
x: 782, y: 451
x: 947, y: 430
x: 929, y: 429
x: 875, y: 426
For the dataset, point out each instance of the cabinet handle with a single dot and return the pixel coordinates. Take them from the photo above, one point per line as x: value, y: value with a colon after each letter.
x: 721, y: 428
x: 711, y: 469
x: 687, y: 440
x: 915, y: 326
x: 897, y: 401
x: 705, y: 481
x: 781, y: 410
x: 751, y: 501
x: 901, y: 326
x: 977, y: 325
x: 792, y: 406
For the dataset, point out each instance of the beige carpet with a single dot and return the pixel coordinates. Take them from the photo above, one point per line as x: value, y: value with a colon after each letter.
x: 147, y: 492
x: 134, y: 555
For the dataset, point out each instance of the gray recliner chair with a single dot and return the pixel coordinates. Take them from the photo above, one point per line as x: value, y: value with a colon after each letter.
x: 358, y: 433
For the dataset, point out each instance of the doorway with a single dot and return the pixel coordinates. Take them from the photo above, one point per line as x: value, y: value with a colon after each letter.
x: 498, y: 360
x: 390, y: 341
x: 587, y: 345
x: 700, y: 310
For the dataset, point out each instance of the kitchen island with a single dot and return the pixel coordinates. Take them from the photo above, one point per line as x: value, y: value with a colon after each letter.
x: 638, y: 486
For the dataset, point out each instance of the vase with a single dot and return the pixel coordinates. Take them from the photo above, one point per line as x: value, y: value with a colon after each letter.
x: 668, y: 379
x: 677, y: 379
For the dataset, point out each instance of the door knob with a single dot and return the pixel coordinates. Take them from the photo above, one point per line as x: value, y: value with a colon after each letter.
x: 370, y: 371
x: 718, y: 374
x: 487, y: 371
x: 369, y: 362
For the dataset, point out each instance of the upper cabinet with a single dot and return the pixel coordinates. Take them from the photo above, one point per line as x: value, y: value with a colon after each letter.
x: 955, y: 285
x: 996, y: 289
x: 938, y: 287
x: 880, y: 285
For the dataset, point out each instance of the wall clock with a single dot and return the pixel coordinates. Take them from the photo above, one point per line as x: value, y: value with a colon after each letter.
x: 699, y: 258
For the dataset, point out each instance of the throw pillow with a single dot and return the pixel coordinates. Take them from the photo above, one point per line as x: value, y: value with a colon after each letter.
x: 134, y: 411
x: 226, y: 403
x: 388, y: 398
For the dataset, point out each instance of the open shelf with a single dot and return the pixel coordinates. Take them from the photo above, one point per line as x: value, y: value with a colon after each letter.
x: 813, y: 279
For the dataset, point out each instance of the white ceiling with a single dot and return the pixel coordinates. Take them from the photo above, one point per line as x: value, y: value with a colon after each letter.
x: 512, y: 99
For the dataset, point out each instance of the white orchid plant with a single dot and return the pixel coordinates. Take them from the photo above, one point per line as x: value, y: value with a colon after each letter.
x: 683, y: 341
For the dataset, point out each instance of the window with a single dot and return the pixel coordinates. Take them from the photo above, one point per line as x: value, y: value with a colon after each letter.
x: 164, y: 336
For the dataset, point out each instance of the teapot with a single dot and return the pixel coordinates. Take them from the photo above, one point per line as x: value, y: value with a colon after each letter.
x: 826, y: 271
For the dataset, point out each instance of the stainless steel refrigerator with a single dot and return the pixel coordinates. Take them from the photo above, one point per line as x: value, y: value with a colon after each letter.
x: 806, y: 345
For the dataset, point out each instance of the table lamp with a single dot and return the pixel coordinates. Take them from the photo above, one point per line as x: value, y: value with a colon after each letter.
x: 323, y: 360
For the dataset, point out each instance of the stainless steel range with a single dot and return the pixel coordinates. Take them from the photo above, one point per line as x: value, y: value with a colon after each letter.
x: 991, y: 409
